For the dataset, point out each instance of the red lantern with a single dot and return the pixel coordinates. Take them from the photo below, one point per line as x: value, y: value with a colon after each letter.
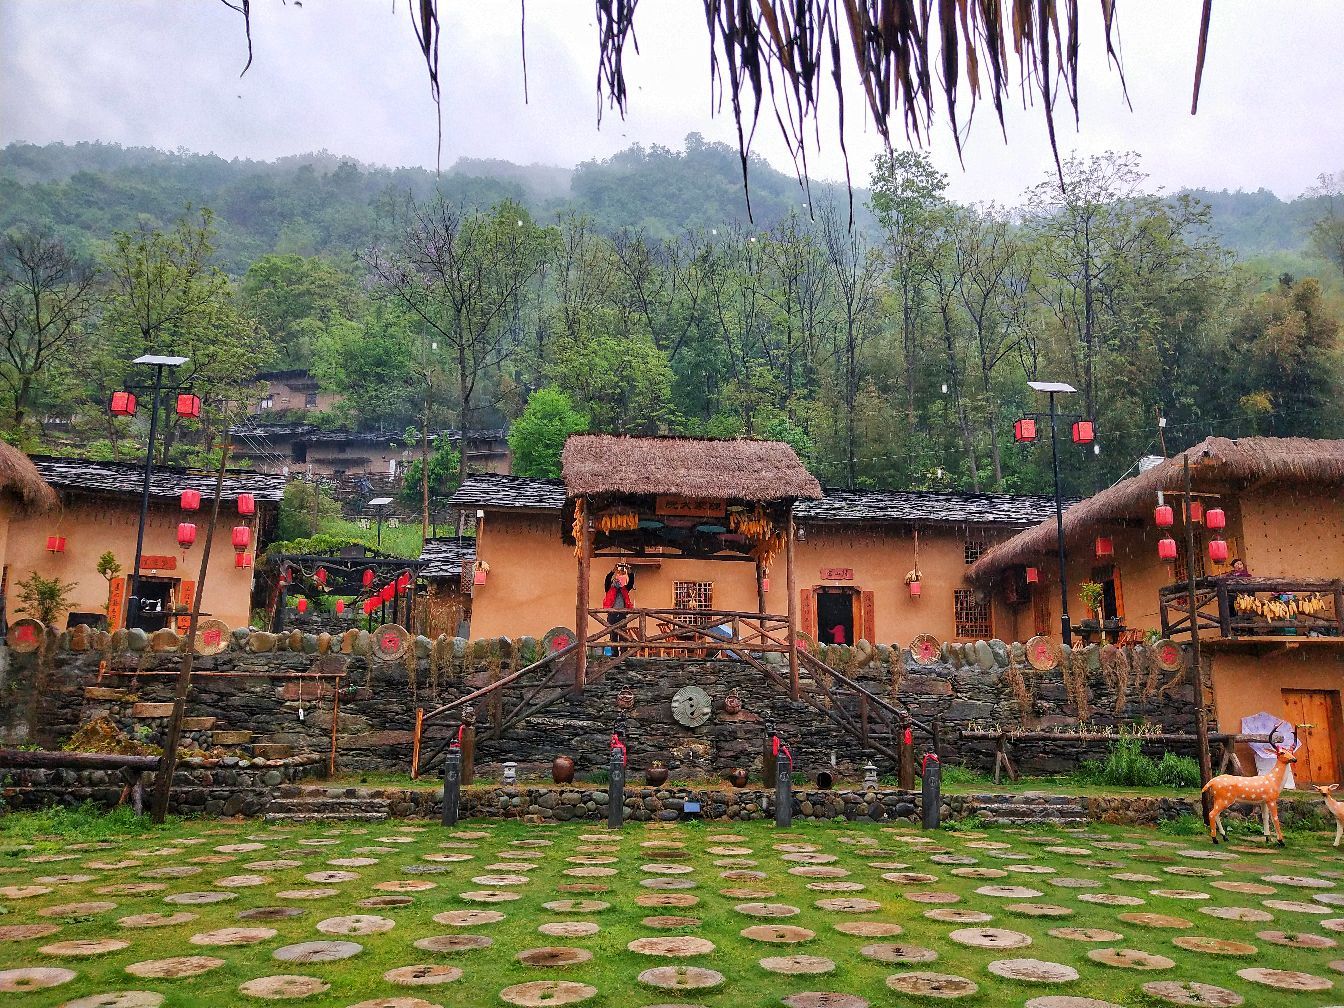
x: 369, y: 606
x: 1215, y: 518
x: 123, y: 404
x: 1166, y: 548
x: 340, y: 607
x: 1033, y: 575
x: 1164, y: 516
x: 367, y: 578
x: 242, y: 538
x: 914, y: 589
x: 389, y: 590
x: 765, y: 584
x: 189, y: 406
x: 320, y: 576
x: 1105, y: 547
x: 191, y: 500
x: 1083, y: 432
x: 301, y: 605
x: 1024, y: 431
x: 55, y: 544
x: 186, y: 535
x: 242, y: 559
x: 247, y: 504
x: 1218, y: 550
x: 404, y: 581
x: 1196, y: 511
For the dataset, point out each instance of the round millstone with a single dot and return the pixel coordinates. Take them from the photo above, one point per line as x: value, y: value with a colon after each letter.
x: 1086, y: 934
x: 672, y: 922
x: 175, y: 967
x: 680, y: 978
x: 241, y: 881
x: 574, y: 905
x: 1038, y: 910
x: 405, y: 885
x: 1285, y: 979
x: 199, y: 898
x: 553, y: 956
x: 892, y: 952
x: 234, y: 936
x: 317, y: 951
x: 990, y: 938
x: 1136, y: 959
x: 449, y: 944
x: 672, y: 946
x: 420, y: 976
x: 1296, y: 906
x: 951, y: 915
x: 821, y: 999
x: 283, y: 987
x: 909, y: 878
x: 26, y: 932
x: 1068, y: 1001
x: 848, y: 905
x: 1111, y: 899
x: 1033, y: 971
x: 767, y: 909
x: 77, y: 909
x: 30, y: 978
x: 935, y: 985
x: 396, y: 1002
x: 1250, y: 888
x: 666, y: 899
x: 1185, y: 894
x: 798, y: 965
x: 1008, y: 892
x: 979, y: 873
x: 777, y: 934
x: 270, y: 913
x: 1213, y: 946
x: 489, y: 896
x: 382, y: 902
x: 84, y: 947
x: 356, y: 924
x: 569, y: 929
x: 1155, y: 920
x: 467, y: 918
x: 305, y: 894
x: 541, y: 993
x: 118, y: 999
x: 928, y: 897
x: 1296, y: 939
x: 1189, y: 992
x: 153, y: 920
x: 23, y: 891
x: 1237, y: 913
x: 1299, y: 881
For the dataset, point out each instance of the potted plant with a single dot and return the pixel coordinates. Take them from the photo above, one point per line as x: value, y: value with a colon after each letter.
x: 656, y: 774
x: 1092, y: 594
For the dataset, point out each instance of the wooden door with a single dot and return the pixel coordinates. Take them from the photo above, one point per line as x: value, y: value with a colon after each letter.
x: 1316, y: 716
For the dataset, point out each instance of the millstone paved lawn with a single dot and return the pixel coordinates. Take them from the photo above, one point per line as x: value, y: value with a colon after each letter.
x: 405, y: 915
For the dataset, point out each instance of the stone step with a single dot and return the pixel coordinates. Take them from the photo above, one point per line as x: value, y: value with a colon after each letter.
x: 1019, y: 821
x: 152, y: 710
x: 298, y: 818
x: 302, y: 805
x: 198, y: 723
x: 104, y: 693
x: 272, y: 750
x: 228, y: 738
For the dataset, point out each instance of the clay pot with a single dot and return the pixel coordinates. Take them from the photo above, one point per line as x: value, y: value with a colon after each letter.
x: 737, y: 777
x: 824, y: 780
x: 732, y: 703
x: 655, y: 776
x: 562, y: 770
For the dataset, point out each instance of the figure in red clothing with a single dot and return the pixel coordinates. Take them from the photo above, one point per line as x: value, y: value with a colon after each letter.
x: 837, y: 633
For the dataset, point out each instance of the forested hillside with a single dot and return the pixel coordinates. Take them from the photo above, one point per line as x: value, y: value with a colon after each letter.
x: 633, y: 295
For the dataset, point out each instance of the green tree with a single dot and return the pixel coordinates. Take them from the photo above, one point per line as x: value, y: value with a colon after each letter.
x: 443, y: 473
x: 44, y: 599
x: 371, y: 362
x: 295, y: 298
x: 536, y: 437
x: 304, y: 509
x: 624, y: 385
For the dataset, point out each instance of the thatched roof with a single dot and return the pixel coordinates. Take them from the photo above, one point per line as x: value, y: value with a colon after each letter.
x: 1222, y: 464
x: 21, y: 481
x: 740, y: 469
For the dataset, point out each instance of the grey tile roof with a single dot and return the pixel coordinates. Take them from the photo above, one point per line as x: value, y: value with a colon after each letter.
x: 447, y: 557
x: 930, y: 506
x: 493, y: 490
x: 166, y: 481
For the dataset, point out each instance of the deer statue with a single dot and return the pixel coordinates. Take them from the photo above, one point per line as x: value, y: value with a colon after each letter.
x: 1336, y: 808
x: 1263, y: 790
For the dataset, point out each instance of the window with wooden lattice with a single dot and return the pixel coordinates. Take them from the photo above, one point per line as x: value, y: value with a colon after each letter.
x: 692, y: 595
x: 971, y: 614
x: 975, y: 549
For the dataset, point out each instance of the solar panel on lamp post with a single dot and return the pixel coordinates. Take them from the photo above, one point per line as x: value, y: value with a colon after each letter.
x: 381, y: 504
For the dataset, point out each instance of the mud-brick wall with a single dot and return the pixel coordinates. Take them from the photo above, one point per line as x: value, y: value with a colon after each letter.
x: 279, y: 698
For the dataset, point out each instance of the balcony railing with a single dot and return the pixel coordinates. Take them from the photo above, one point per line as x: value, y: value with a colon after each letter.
x: 1254, y: 608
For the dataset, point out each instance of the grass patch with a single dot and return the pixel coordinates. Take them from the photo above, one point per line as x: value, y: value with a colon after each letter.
x: 59, y: 825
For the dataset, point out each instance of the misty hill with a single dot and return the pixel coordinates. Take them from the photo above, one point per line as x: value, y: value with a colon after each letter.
x: 326, y: 203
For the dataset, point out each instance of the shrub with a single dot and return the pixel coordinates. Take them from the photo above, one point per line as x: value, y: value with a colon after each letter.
x: 1177, y: 771
x: 44, y: 599
x: 964, y: 777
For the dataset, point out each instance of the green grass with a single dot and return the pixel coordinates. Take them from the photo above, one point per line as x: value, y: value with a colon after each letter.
x: 94, y: 842
x: 404, y: 540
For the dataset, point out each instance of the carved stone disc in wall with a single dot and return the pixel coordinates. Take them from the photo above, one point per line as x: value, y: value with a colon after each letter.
x: 690, y: 706
x: 1169, y: 657
x: 212, y: 636
x: 26, y: 635
x: 924, y: 649
x: 390, y: 642
x: 1043, y: 654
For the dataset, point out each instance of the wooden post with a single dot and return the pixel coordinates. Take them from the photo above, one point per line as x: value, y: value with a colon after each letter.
x: 1197, y: 671
x: 791, y: 586
x: 415, y: 742
x: 335, y: 724
x: 581, y: 603
x: 468, y: 746
x: 163, y: 779
x: 760, y: 588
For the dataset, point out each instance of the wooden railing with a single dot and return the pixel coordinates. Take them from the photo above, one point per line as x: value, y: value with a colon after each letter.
x: 677, y: 633
x: 1254, y: 607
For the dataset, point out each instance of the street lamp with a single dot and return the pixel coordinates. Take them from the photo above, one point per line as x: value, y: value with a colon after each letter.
x: 123, y: 404
x: 1084, y: 433
x: 381, y: 504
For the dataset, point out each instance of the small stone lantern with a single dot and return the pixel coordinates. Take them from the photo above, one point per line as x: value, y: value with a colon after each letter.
x: 870, y: 775
x: 510, y: 773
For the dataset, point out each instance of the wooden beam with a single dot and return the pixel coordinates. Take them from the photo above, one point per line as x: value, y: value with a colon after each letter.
x: 585, y: 545
x: 791, y: 586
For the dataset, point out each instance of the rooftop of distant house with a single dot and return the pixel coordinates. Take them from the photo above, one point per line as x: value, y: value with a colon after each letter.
x: 128, y: 479
x: 448, y: 556
x: 258, y: 429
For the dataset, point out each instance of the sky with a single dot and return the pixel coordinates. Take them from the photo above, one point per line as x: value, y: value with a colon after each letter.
x: 345, y: 76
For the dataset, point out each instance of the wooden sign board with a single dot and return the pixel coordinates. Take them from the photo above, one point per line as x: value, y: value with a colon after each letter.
x: 837, y: 573
x: 692, y: 507
x: 158, y: 563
